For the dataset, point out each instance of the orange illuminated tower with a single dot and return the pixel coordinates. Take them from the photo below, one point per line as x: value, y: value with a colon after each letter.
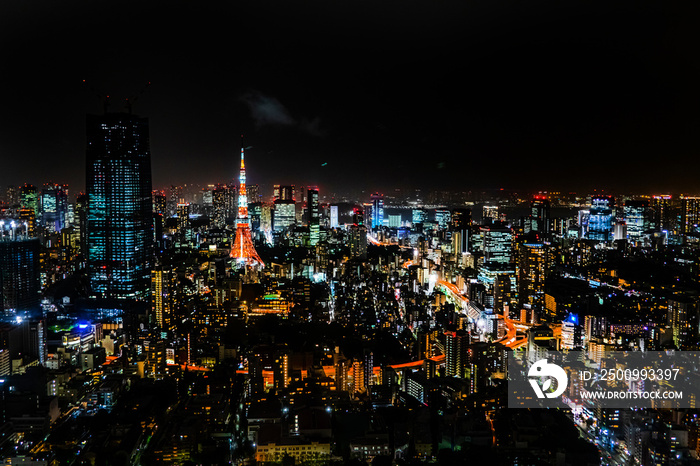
x: 243, y: 250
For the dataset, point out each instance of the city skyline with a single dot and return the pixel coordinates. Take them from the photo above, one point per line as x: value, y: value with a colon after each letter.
x: 349, y: 233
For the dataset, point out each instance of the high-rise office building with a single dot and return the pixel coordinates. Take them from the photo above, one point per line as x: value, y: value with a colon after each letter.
x: 358, y: 216
x: 620, y: 231
x: 539, y: 219
x: 377, y: 210
x: 460, y: 225
x: 284, y: 214
x: 314, y: 226
x: 690, y: 214
x: 636, y: 213
x: 443, y: 218
x: 285, y: 193
x: 497, y: 243
x: 175, y: 196
x: 183, y: 216
x: 81, y: 220
x: 540, y: 340
x: 119, y: 213
x: 418, y: 216
x: 54, y: 207
x: 394, y: 221
x: 368, y: 366
x: 160, y: 204
x: 461, y: 218
x: 253, y: 193
x: 571, y: 333
x: 683, y: 318
x: 19, y: 268
x: 456, y: 344
x: 358, y: 241
x: 502, y: 294
x: 26, y: 216
x: 489, y: 213
x: 531, y: 272
x: 219, y: 200
x: 600, y: 219
x: 255, y: 213
x: 29, y: 198
x: 12, y: 196
x: 660, y: 209
x: 163, y: 282
x: 334, y: 216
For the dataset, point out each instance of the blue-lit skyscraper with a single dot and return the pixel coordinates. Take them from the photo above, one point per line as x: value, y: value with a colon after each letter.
x: 119, y: 223
x: 443, y: 218
x: 600, y: 221
x: 54, y: 207
x: 377, y: 210
x: 418, y: 216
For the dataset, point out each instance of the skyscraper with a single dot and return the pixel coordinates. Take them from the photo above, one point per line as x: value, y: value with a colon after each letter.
x: 461, y: 218
x: 29, y: 198
x: 163, y: 282
x: 54, y: 207
x: 160, y: 204
x: 19, y: 268
x: 314, y: 227
x: 539, y: 220
x: 119, y: 213
x: 690, y: 214
x: 334, y: 216
x: 443, y: 218
x: 456, y: 344
x: 661, y: 207
x: 418, y: 216
x: 284, y: 214
x: 498, y: 244
x: 358, y: 241
x: 636, y: 214
x: 489, y: 213
x: 600, y: 220
x: 81, y: 220
x: 683, y: 319
x: 377, y: 210
x: 531, y: 272
x: 243, y: 250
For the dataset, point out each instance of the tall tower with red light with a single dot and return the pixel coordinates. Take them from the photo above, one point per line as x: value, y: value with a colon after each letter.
x: 243, y: 250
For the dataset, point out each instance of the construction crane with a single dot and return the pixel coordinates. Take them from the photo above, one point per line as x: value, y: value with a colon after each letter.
x: 104, y: 99
x: 128, y: 102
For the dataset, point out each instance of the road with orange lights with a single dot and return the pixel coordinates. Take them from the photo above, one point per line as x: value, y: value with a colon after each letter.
x: 415, y: 364
x: 376, y: 242
x: 510, y: 340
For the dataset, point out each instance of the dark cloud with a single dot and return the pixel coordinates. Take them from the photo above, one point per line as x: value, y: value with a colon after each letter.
x: 266, y: 110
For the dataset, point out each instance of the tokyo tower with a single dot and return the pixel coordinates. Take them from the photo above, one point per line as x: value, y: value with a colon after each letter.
x: 243, y: 250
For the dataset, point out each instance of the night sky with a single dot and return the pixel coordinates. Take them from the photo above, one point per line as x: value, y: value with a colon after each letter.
x: 460, y: 94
